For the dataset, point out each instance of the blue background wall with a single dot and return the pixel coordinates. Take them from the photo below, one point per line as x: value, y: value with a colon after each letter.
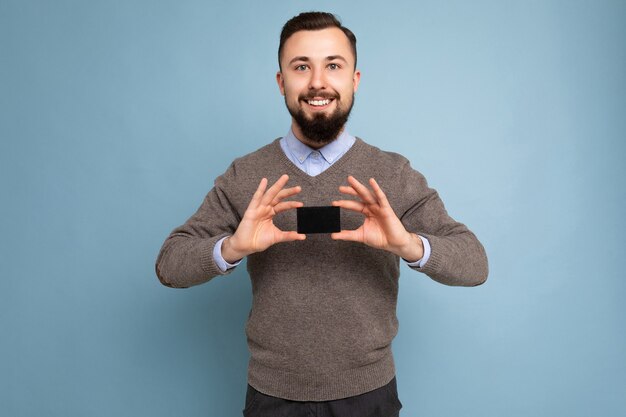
x: 115, y: 117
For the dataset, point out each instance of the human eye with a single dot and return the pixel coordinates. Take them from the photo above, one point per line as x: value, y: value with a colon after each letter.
x: 334, y: 66
x: 301, y: 67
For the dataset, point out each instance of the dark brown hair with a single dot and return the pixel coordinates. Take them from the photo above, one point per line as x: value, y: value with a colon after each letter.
x: 313, y: 21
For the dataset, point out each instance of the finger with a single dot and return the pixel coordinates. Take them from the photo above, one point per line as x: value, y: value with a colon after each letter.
x: 287, y: 205
x: 285, y: 193
x: 350, y: 235
x: 258, y: 194
x: 350, y: 205
x: 289, y: 236
x: 364, y: 192
x: 380, y: 195
x: 346, y: 189
x: 273, y: 191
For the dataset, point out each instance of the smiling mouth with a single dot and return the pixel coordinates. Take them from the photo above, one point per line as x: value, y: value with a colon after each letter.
x: 319, y: 103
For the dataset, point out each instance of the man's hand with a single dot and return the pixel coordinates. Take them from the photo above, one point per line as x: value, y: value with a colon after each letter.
x: 381, y: 229
x: 257, y: 231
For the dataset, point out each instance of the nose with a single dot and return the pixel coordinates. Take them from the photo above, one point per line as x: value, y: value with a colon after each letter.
x: 317, y: 80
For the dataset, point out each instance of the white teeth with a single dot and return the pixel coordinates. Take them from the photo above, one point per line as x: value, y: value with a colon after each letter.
x: 318, y: 102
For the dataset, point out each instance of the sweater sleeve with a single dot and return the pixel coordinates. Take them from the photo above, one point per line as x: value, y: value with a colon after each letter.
x: 186, y: 257
x: 457, y: 257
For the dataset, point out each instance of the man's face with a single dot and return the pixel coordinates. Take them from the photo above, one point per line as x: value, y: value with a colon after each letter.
x: 318, y: 81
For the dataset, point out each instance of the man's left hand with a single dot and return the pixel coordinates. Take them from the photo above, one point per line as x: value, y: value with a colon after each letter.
x: 382, y: 229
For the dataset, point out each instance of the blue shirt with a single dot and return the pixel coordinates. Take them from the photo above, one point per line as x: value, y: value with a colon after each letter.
x: 313, y: 162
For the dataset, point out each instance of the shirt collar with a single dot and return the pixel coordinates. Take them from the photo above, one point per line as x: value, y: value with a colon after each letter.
x: 331, y: 151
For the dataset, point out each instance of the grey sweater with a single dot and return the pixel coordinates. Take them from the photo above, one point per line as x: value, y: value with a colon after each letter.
x: 323, y: 312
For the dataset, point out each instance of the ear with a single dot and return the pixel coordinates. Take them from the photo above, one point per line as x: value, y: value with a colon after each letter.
x: 281, y: 82
x: 356, y: 78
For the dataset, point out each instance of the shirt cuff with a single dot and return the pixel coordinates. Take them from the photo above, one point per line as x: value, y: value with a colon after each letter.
x: 219, y: 259
x: 421, y: 262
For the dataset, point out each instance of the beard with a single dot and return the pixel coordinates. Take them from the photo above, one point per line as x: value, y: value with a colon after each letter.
x: 321, y: 128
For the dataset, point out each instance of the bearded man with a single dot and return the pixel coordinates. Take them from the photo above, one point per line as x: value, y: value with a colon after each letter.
x: 323, y: 314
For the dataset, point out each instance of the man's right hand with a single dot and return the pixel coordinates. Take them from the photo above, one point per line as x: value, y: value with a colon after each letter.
x: 257, y: 231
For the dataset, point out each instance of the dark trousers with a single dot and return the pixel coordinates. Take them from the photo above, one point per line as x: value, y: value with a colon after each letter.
x: 381, y: 402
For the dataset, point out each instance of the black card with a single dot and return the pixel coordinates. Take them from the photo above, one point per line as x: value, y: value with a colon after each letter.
x: 318, y: 219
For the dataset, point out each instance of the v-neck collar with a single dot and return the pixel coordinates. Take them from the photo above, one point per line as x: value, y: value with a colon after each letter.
x: 331, y: 152
x: 297, y: 172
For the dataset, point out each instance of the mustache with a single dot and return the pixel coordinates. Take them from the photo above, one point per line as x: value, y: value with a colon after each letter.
x: 318, y: 94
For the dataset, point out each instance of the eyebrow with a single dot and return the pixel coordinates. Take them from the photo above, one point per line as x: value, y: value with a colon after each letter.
x: 328, y: 58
